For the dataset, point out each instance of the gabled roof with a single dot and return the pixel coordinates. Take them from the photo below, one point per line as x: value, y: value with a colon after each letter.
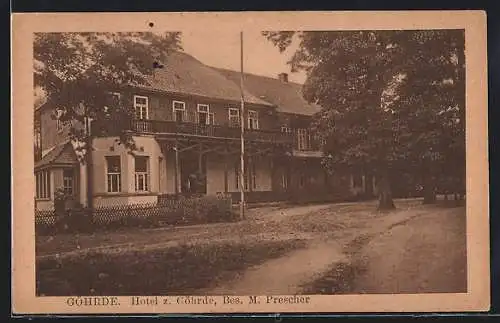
x: 62, y: 154
x: 287, y: 96
x: 184, y: 74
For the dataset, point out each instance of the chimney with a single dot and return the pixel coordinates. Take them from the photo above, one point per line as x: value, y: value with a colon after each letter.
x: 283, y: 77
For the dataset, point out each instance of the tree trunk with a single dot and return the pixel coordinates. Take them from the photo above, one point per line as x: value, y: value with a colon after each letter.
x: 385, y: 201
x: 90, y: 171
x: 429, y: 190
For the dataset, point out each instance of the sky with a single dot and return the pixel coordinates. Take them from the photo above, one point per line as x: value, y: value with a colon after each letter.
x: 222, y: 49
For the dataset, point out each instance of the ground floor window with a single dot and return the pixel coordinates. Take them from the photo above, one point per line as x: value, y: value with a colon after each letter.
x: 284, y: 180
x: 113, y: 174
x: 68, y: 181
x: 42, y: 180
x: 250, y: 176
x: 141, y: 173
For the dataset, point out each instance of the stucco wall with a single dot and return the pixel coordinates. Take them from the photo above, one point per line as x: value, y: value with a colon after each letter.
x: 105, y: 201
x: 44, y: 204
x: 161, y: 166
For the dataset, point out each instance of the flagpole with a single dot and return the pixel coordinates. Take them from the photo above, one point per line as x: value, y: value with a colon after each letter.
x: 242, y: 126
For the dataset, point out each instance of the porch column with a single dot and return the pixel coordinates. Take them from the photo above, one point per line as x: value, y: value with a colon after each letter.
x: 250, y: 173
x: 200, y: 156
x: 363, y: 183
x: 225, y: 172
x: 176, y: 173
x: 82, y: 180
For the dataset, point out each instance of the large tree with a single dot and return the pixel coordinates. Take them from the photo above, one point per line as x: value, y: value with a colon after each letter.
x: 77, y: 72
x: 385, y: 97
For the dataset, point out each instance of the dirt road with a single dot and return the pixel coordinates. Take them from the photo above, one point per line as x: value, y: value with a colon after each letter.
x: 413, y: 250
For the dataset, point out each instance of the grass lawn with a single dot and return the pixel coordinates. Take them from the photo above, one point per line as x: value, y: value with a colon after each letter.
x: 178, y: 270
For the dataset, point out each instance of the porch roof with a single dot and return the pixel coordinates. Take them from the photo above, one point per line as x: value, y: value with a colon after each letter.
x: 61, y: 155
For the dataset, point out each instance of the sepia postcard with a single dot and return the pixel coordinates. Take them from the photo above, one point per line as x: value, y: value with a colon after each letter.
x: 250, y: 162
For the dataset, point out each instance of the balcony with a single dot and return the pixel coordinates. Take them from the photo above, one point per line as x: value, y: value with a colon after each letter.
x: 190, y: 129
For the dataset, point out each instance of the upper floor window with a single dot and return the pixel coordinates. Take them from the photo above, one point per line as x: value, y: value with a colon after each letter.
x: 61, y: 125
x: 286, y: 129
x: 141, y: 106
x: 179, y: 111
x: 38, y: 134
x: 87, y: 121
x: 141, y: 173
x: 42, y: 180
x: 234, y: 117
x: 253, y: 119
x: 115, y: 98
x: 203, y: 114
x: 68, y: 181
x: 113, y: 172
x: 302, y: 139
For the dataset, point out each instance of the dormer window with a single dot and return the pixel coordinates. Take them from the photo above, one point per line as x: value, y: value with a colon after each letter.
x: 141, y: 106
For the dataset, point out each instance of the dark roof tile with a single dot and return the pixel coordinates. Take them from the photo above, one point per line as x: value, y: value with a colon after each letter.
x: 287, y: 96
x: 61, y: 154
x: 184, y: 74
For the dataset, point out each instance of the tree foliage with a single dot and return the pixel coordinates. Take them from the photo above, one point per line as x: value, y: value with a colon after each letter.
x: 390, y: 99
x: 78, y: 71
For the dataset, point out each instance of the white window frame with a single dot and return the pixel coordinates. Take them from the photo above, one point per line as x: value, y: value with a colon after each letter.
x: 142, y: 175
x: 42, y: 182
x: 59, y: 124
x: 141, y: 106
x: 69, y: 182
x: 38, y: 133
x: 109, y: 175
x: 302, y: 139
x: 230, y: 116
x: 183, y: 109
x: 207, y: 112
x: 249, y: 178
x: 88, y: 125
x: 284, y: 180
x: 254, y: 118
x: 286, y: 129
